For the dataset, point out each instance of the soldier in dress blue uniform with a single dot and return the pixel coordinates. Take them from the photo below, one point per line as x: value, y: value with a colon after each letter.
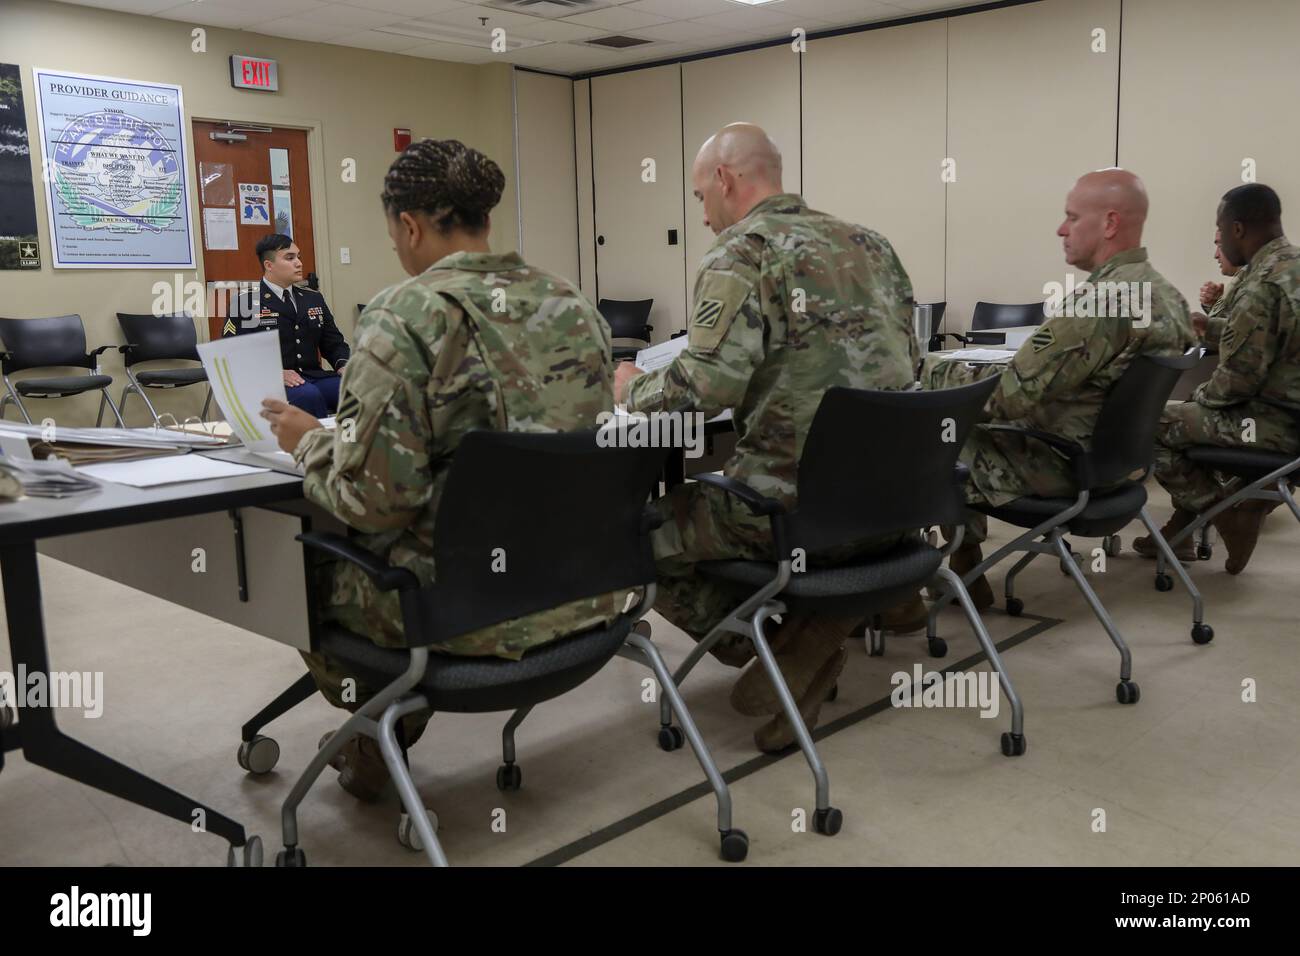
x: 304, y: 322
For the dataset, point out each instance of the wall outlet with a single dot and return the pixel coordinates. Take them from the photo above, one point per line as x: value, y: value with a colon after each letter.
x: 345, y: 255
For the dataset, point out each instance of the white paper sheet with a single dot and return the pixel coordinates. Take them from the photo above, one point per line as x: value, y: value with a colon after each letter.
x: 166, y: 471
x: 219, y: 230
x: 657, y: 356
x: 989, y: 356
x: 243, y: 370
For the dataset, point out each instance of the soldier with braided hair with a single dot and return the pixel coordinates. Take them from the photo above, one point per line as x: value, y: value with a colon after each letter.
x: 436, y: 356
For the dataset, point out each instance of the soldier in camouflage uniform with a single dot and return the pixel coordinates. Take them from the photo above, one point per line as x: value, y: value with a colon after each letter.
x: 788, y: 303
x: 1218, y: 298
x: 1259, y: 357
x: 1059, y: 378
x: 474, y: 339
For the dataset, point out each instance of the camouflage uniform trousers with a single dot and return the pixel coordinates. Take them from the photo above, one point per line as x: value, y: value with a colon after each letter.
x: 349, y: 601
x: 704, y: 523
x: 1184, y: 424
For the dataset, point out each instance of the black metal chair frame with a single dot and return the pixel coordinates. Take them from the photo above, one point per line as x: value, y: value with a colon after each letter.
x: 134, y: 384
x: 90, y: 361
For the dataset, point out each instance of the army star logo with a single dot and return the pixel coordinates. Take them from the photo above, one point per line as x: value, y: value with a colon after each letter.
x: 27, y: 251
x: 1043, y: 338
x: 707, y: 312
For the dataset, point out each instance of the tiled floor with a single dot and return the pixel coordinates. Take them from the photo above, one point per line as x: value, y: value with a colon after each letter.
x: 1191, y: 774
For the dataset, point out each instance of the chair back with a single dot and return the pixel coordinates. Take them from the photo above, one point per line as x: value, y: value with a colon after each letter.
x: 627, y: 319
x: 994, y: 315
x: 154, y: 337
x: 1124, y: 438
x: 59, y: 340
x: 875, y: 463
x: 528, y: 522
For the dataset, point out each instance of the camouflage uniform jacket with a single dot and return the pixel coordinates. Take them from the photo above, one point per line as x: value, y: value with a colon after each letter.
x: 788, y: 303
x: 477, y: 340
x: 1259, y: 349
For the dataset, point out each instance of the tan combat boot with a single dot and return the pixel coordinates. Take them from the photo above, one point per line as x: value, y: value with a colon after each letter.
x: 778, y: 733
x: 1239, y: 528
x: 960, y: 562
x: 801, y: 646
x: 361, y: 767
x: 1186, y: 550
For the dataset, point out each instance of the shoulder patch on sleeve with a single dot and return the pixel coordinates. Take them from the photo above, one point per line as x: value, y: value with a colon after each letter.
x: 707, y: 312
x: 1043, y: 338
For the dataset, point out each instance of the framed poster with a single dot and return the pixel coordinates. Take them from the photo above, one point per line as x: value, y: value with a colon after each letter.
x: 19, y: 247
x: 114, y: 171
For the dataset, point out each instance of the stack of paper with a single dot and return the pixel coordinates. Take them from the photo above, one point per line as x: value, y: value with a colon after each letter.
x: 47, y: 479
x: 166, y: 471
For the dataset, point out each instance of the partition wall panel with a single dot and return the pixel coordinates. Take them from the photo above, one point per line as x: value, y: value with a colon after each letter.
x: 548, y: 195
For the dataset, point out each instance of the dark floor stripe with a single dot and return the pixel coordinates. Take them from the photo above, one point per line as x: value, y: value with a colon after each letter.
x: 613, y: 831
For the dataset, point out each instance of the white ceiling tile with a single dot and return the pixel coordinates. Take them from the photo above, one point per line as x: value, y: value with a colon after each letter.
x: 679, y: 32
x: 125, y: 6
x: 742, y: 20
x: 468, y: 15
x: 681, y: 9
x: 359, y: 18
x: 836, y: 11
x: 210, y: 15
x: 410, y: 8
x: 555, y: 30
x: 373, y: 40
x: 452, y: 52
x: 298, y: 28
x: 264, y: 10
x: 617, y: 18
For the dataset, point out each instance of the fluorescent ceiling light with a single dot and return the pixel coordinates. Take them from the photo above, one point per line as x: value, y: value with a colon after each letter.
x: 754, y: 3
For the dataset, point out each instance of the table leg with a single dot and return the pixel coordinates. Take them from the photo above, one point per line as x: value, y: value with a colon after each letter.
x: 45, y: 745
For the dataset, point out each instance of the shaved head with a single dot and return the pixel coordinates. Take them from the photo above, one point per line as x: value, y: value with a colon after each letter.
x: 737, y: 167
x: 1104, y: 215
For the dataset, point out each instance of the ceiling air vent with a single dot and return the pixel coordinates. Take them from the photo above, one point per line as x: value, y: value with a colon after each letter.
x: 617, y: 42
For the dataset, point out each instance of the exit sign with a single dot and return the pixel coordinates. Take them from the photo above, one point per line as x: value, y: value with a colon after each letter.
x: 253, y: 73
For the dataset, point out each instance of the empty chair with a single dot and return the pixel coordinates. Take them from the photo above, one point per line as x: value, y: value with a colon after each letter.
x: 1267, y: 476
x: 846, y: 497
x: 1123, y: 443
x: 51, y: 343
x: 578, y: 528
x: 627, y: 320
x: 994, y: 315
x: 154, y: 338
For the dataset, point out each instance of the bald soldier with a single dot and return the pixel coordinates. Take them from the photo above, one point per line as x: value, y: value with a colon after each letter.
x: 1259, y: 358
x: 757, y: 346
x: 1059, y: 378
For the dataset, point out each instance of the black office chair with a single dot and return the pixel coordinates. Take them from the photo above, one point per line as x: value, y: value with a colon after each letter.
x: 153, y: 338
x: 48, y: 343
x: 845, y: 496
x: 578, y: 528
x: 1267, y: 476
x: 1123, y: 443
x: 627, y: 320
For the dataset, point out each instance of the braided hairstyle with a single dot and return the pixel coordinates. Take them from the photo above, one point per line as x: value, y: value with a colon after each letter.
x: 455, y: 185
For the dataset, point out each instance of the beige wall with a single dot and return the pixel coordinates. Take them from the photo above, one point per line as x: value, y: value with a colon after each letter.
x: 349, y: 99
x: 761, y: 86
x: 875, y: 159
x: 1207, y: 86
x: 548, y: 223
x: 1030, y: 109
x: 586, y: 197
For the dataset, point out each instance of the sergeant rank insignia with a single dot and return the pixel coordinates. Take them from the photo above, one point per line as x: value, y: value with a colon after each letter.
x: 1042, y: 339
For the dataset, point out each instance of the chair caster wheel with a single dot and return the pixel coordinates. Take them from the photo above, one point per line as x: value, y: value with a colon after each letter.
x: 259, y: 755
x: 1015, y: 606
x: 509, y: 777
x: 833, y: 693
x: 1202, y: 633
x: 251, y: 855
x: 1127, y: 692
x: 1013, y: 745
x: 671, y: 738
x: 408, y: 835
x: 735, y: 846
x: 1112, y: 545
x: 828, y: 821
x: 1164, y: 582
x: 938, y: 646
x: 1204, y: 552
x: 291, y: 856
x: 875, y: 644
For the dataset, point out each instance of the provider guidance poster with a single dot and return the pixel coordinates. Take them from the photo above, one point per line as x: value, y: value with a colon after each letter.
x: 114, y: 172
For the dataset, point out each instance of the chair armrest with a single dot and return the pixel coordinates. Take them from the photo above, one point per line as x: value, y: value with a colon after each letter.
x: 650, y: 519
x: 1290, y: 407
x: 384, y: 575
x: 1075, y: 452
x: 943, y: 335
x: 758, y: 505
x: 121, y: 348
x: 101, y: 349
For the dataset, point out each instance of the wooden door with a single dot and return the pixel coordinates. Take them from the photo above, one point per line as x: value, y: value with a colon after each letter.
x: 258, y: 161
